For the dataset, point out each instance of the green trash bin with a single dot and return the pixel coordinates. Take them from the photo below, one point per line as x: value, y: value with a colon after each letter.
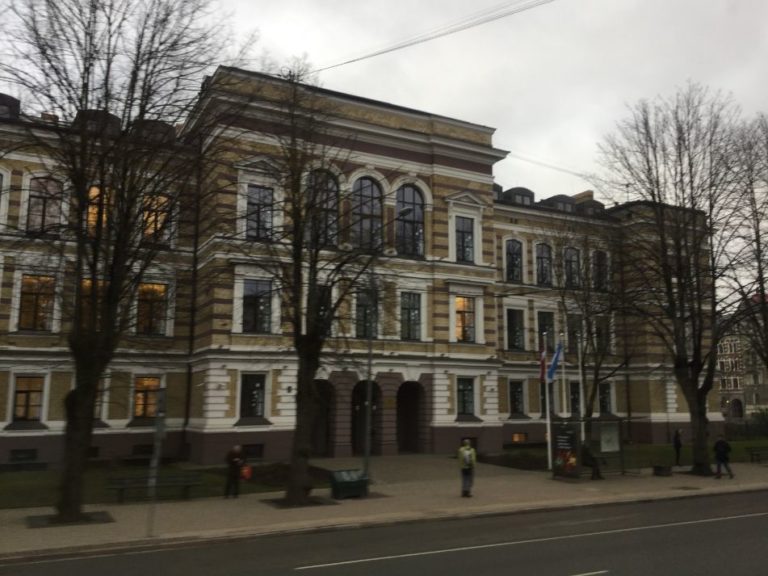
x: 348, y: 484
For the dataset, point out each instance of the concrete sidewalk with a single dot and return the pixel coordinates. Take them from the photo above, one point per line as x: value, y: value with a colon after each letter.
x: 405, y: 488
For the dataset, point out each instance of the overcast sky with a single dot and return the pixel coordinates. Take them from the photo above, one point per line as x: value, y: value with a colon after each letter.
x: 552, y: 80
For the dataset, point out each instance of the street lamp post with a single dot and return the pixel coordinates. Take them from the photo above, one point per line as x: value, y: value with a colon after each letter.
x: 369, y: 379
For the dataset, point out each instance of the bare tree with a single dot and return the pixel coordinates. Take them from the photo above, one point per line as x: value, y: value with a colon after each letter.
x: 591, y: 298
x: 115, y: 77
x: 675, y: 157
x: 312, y: 238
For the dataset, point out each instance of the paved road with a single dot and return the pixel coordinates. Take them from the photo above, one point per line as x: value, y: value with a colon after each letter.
x: 690, y: 537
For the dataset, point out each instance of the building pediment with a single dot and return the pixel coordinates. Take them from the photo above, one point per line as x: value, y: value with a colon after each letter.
x: 468, y: 199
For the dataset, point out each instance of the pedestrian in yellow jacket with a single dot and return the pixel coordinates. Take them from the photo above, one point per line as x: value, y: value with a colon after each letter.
x: 467, y: 461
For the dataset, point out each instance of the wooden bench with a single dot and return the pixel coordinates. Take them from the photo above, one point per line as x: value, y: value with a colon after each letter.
x: 757, y: 453
x: 123, y: 484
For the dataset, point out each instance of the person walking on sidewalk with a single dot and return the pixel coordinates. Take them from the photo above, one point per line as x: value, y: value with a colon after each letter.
x: 677, y: 444
x: 234, y: 461
x: 467, y: 461
x: 722, y: 455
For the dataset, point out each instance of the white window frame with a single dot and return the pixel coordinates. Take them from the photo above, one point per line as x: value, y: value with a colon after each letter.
x: 251, y: 174
x: 170, y: 306
x: 143, y: 374
x: 476, y: 214
x: 267, y: 392
x: 5, y: 190
x: 526, y: 407
x: 22, y: 270
x: 243, y: 273
x: 476, y: 292
x: 523, y: 263
x: 476, y: 383
x: 30, y: 372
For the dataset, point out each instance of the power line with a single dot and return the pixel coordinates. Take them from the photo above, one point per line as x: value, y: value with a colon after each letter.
x: 482, y: 17
x: 582, y: 175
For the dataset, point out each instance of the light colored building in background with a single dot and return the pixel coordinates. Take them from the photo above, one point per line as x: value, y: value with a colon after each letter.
x: 470, y: 285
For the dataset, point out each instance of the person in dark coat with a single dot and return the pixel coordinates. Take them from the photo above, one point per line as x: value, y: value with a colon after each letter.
x: 722, y: 456
x: 677, y: 444
x: 589, y: 459
x: 234, y: 461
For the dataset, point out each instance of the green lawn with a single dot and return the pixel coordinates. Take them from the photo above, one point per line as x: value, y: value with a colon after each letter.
x: 39, y: 488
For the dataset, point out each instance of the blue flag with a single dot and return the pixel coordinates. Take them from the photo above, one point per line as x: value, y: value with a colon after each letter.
x: 555, y: 359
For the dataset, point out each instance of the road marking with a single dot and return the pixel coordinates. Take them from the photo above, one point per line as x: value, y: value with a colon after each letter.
x: 530, y: 541
x: 592, y: 573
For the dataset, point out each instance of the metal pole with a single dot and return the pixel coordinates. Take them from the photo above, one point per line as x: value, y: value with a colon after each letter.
x: 155, y: 462
x: 369, y: 380
x: 582, y: 403
x: 549, y: 419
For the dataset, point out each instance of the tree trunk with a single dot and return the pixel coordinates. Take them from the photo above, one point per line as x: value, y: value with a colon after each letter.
x: 79, y: 406
x: 299, y: 483
x: 697, y: 408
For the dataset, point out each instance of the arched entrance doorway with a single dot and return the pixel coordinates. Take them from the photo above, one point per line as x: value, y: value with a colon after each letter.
x: 409, y: 399
x: 322, y: 428
x: 737, y: 408
x: 359, y: 393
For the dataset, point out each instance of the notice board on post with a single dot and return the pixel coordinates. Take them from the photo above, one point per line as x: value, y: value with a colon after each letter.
x: 566, y: 458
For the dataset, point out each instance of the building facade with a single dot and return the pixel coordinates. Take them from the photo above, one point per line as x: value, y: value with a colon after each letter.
x: 472, y: 284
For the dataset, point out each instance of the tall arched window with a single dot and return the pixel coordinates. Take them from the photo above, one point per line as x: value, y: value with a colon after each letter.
x: 543, y: 265
x: 514, y: 261
x: 409, y: 218
x: 322, y: 209
x: 572, y: 268
x: 366, y: 229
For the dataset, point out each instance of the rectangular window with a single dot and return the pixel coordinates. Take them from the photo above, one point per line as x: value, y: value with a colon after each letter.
x: 572, y: 268
x: 257, y: 306
x: 146, y: 396
x: 366, y: 314
x: 514, y: 261
x: 252, y: 395
x: 28, y: 398
x: 156, y: 213
x: 574, y: 332
x: 465, y: 319
x: 546, y: 321
x: 516, y: 405
x: 44, y: 205
x: 515, y: 330
x: 604, y: 393
x: 410, y: 316
x: 92, y: 304
x: 465, y: 239
x: 259, y: 215
x: 36, y: 302
x: 575, y: 398
x: 600, y: 270
x: 97, y: 212
x: 465, y: 396
x: 603, y: 334
x: 151, y: 309
x: 543, y: 265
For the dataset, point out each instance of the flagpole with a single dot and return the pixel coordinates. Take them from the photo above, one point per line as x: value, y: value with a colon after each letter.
x: 549, y: 412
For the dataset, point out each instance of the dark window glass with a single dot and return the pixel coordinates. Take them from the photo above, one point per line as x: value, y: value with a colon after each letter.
x: 323, y: 216
x: 574, y: 332
x: 465, y: 319
x: 600, y: 270
x: 28, y: 398
x: 44, y: 205
x: 465, y: 396
x: 465, y: 239
x: 151, y: 309
x: 36, y: 302
x: 410, y: 316
x: 572, y: 268
x: 259, y: 212
x: 366, y: 316
x: 145, y: 397
x: 252, y: 395
x: 516, y: 404
x: 257, y: 306
x: 515, y: 330
x: 575, y: 398
x: 603, y: 334
x: 543, y: 265
x: 366, y: 230
x: 514, y: 261
x: 604, y: 393
x: 409, y: 229
x: 547, y: 325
